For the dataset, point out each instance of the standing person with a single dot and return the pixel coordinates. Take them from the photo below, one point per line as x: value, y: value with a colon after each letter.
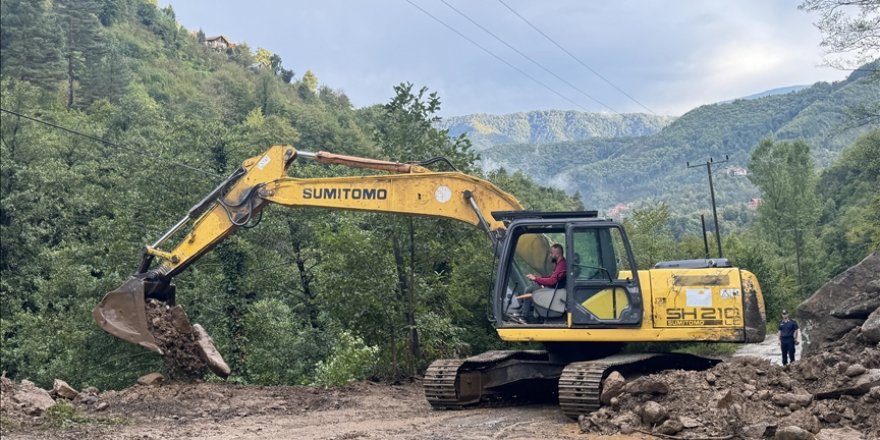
x: 789, y: 336
x: 554, y: 280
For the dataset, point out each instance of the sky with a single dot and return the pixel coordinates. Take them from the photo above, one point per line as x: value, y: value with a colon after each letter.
x: 660, y: 56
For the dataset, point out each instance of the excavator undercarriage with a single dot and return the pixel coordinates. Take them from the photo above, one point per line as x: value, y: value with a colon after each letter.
x: 459, y: 383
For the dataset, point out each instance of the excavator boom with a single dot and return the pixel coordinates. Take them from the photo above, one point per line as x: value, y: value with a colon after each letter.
x: 409, y: 189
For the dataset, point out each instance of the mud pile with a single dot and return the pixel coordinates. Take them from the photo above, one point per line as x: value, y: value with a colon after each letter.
x: 832, y: 392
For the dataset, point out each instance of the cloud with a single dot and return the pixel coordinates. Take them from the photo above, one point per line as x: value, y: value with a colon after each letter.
x: 671, y: 56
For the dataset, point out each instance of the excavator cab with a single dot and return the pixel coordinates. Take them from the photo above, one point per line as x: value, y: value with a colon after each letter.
x: 600, y: 289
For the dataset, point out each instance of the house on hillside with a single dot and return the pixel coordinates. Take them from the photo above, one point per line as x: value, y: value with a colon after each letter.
x: 219, y: 42
x: 754, y: 203
x: 619, y: 210
x: 736, y: 171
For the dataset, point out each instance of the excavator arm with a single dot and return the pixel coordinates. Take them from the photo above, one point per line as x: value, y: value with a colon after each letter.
x: 261, y: 180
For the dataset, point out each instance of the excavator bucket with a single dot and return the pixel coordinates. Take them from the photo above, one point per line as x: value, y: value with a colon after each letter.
x: 122, y: 313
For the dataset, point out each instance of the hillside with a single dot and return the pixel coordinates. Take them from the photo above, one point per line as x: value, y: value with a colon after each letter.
x: 609, y: 171
x: 771, y: 92
x: 549, y: 126
x: 153, y: 119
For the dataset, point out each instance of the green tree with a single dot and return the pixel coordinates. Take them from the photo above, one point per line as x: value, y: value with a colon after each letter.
x: 848, y: 27
x: 786, y: 175
x: 650, y: 234
x: 30, y: 44
x: 308, y: 86
x: 81, y: 32
x: 851, y: 215
x: 264, y: 57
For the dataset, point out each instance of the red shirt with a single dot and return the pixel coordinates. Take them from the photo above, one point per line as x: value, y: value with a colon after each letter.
x: 558, y: 275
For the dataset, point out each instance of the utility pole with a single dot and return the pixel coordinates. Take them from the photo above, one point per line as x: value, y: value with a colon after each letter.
x: 708, y: 166
x: 705, y: 241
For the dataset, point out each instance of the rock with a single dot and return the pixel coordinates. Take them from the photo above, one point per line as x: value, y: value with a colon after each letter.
x: 874, y: 393
x: 62, y: 389
x: 626, y: 418
x: 5, y: 383
x: 615, y: 402
x: 101, y: 406
x: 764, y: 394
x: 612, y: 386
x: 90, y: 390
x: 862, y: 384
x: 653, y: 413
x: 724, y: 399
x: 646, y: 386
x: 816, y: 323
x: 789, y: 399
x: 32, y: 399
x: 871, y: 327
x: 152, y: 379
x: 855, y: 370
x: 689, y: 422
x: 710, y: 378
x: 670, y: 427
x: 792, y: 433
x: 758, y: 430
x: 212, y: 356
x: 858, y: 306
x: 839, y: 434
x: 802, y: 418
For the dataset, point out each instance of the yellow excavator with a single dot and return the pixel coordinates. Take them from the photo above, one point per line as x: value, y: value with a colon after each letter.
x: 603, y: 302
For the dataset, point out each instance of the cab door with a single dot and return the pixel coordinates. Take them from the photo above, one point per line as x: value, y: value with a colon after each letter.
x: 602, y: 281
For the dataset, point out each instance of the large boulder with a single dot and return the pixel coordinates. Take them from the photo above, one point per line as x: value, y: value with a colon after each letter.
x: 848, y: 294
x: 31, y: 399
x: 61, y: 389
x: 612, y: 387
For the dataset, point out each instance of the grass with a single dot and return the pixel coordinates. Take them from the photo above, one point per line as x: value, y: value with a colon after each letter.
x: 710, y: 349
x: 63, y: 415
x: 6, y: 423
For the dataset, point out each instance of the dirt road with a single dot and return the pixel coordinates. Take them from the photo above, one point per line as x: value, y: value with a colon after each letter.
x: 363, y: 410
x: 360, y: 411
x: 769, y: 349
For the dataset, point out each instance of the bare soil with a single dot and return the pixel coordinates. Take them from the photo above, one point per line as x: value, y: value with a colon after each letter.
x: 363, y: 410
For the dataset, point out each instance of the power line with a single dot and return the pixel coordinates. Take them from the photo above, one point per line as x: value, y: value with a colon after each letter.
x: 541, y: 83
x: 111, y: 144
x: 575, y: 58
x: 528, y: 57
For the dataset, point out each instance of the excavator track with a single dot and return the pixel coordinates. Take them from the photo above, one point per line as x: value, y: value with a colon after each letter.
x: 457, y: 383
x: 580, y: 384
x: 442, y: 384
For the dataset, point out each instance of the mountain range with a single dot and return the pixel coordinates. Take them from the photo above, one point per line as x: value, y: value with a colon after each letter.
x: 648, y: 162
x: 549, y: 126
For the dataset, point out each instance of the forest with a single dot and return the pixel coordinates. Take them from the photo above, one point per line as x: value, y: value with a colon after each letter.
x: 116, y: 120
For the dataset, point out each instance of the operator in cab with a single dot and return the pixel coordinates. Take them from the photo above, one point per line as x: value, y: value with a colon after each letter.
x: 555, y: 280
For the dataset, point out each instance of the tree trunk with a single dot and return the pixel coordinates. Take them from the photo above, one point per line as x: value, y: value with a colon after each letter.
x: 305, y: 276
x: 70, y: 63
x: 415, y: 345
x: 403, y: 287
